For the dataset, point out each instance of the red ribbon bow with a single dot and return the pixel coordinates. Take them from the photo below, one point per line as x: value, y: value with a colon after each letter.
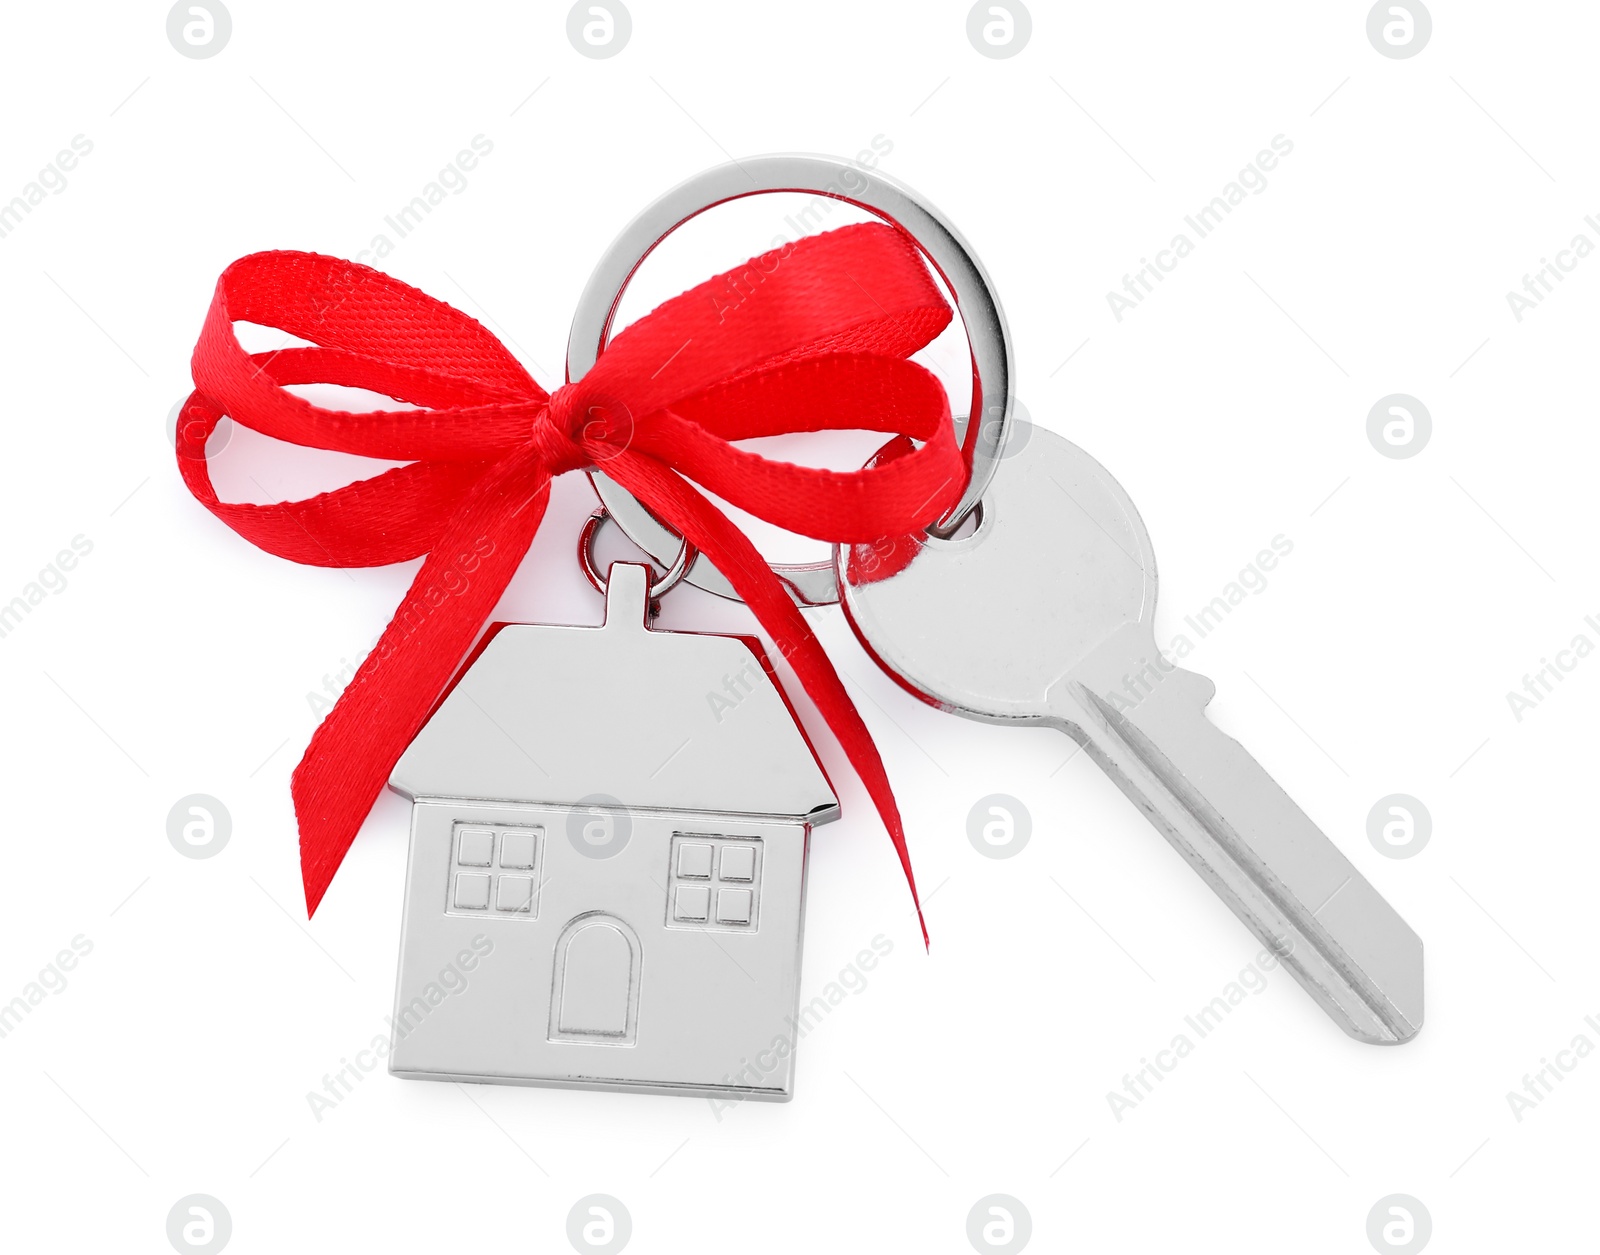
x: 809, y: 337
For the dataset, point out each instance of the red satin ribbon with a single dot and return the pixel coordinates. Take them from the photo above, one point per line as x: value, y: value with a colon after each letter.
x: 809, y: 337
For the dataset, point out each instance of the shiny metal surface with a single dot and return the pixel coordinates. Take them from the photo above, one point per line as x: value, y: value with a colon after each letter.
x: 606, y: 882
x: 810, y: 584
x: 1044, y: 615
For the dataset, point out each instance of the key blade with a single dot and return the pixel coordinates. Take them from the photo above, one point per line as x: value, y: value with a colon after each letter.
x: 1259, y: 851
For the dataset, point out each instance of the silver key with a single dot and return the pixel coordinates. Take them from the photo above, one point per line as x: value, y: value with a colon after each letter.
x: 1044, y: 614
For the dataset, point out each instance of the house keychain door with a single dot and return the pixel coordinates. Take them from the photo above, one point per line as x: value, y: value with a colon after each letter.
x: 606, y: 882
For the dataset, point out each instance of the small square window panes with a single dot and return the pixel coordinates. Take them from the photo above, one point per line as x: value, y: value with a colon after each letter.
x: 733, y: 906
x: 694, y: 861
x: 691, y: 902
x: 738, y: 862
x: 472, y: 891
x: 516, y: 849
x: 474, y: 847
x: 513, y: 893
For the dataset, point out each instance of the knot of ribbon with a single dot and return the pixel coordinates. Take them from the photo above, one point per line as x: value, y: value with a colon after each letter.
x: 812, y: 336
x: 555, y: 437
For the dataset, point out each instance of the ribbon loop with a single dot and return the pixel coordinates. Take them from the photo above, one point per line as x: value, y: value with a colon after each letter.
x: 808, y: 337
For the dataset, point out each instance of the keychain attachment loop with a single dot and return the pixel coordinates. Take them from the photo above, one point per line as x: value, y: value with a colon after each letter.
x: 659, y: 585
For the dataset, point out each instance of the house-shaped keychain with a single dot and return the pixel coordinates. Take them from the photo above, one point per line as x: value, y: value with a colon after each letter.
x: 606, y: 884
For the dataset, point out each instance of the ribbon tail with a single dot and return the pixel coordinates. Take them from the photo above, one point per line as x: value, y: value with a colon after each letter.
x: 685, y: 509
x: 397, y: 687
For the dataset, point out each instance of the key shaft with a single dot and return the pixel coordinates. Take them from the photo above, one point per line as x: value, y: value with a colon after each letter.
x: 1232, y: 822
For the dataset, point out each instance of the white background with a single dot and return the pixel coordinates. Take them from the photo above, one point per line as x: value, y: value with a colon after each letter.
x: 1231, y: 404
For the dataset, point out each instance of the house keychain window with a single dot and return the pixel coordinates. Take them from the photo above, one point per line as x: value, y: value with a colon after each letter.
x: 495, y: 871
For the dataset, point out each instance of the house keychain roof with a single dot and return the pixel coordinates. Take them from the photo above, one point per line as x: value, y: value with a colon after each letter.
x: 670, y: 720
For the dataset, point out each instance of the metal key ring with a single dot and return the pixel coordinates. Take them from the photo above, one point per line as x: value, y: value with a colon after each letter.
x: 809, y: 583
x: 665, y: 583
